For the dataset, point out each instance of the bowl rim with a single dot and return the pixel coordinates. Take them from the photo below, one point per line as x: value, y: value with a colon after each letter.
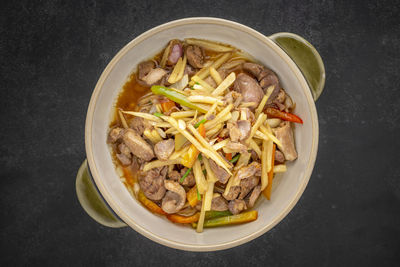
x: 89, y: 121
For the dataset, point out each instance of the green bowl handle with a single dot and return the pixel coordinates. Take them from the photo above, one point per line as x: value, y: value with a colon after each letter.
x: 306, y: 58
x: 92, y: 202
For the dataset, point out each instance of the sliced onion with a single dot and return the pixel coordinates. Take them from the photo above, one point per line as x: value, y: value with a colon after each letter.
x: 181, y: 84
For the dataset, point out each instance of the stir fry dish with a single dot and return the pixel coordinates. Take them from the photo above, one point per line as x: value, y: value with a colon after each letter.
x: 199, y: 132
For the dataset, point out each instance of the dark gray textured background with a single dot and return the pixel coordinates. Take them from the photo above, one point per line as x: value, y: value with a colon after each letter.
x: 53, y: 52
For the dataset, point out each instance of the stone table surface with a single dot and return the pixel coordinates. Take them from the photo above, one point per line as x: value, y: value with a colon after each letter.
x: 53, y: 52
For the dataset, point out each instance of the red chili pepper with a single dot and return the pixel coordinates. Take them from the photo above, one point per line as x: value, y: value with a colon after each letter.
x: 286, y: 116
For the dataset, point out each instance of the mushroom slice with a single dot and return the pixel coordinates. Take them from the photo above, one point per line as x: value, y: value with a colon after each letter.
x: 175, y: 197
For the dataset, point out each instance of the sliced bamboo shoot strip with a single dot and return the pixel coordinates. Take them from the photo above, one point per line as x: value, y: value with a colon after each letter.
x: 221, y: 144
x: 215, y: 75
x: 201, y: 182
x: 214, y: 130
x: 165, y: 55
x: 280, y: 168
x: 206, y: 151
x: 183, y: 114
x: 270, y: 136
x: 261, y: 118
x: 205, y: 99
x: 175, y: 71
x: 211, y: 110
x: 182, y: 69
x: 210, y: 174
x: 224, y: 84
x: 160, y: 163
x: 212, y: 153
x: 264, y: 100
x: 122, y: 118
x: 255, y: 147
x: 212, y: 46
x: 264, y: 165
x: 205, y: 71
x: 143, y: 115
x: 203, y: 83
x: 218, y: 118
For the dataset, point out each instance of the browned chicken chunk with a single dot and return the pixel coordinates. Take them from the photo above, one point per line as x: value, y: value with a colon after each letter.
x: 137, y: 145
x: 164, y: 149
x: 284, y: 133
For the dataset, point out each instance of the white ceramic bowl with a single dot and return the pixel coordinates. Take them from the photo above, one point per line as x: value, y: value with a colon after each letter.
x: 287, y: 188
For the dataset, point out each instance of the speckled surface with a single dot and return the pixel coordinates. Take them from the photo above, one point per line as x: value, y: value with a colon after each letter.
x: 52, y: 54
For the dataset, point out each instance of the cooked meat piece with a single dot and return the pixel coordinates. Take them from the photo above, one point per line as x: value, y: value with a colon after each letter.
x: 233, y: 193
x: 284, y: 133
x: 219, y: 204
x: 253, y: 68
x: 189, y: 180
x: 144, y: 68
x: 236, y: 206
x: 198, y: 205
x: 233, y: 97
x: 265, y: 77
x: 236, y: 147
x: 139, y: 124
x: 164, y: 149
x: 174, y: 175
x: 254, y: 196
x: 253, y: 168
x: 249, y: 114
x: 175, y: 197
x: 244, y: 128
x: 219, y: 172
x: 211, y: 81
x: 288, y: 103
x: 224, y: 133
x: 154, y: 76
x: 261, y: 72
x: 270, y: 79
x: 280, y: 106
x: 124, y: 149
x: 219, y: 188
x: 249, y: 88
x: 124, y: 159
x: 137, y: 145
x: 189, y: 70
x: 175, y: 52
x: 135, y: 166
x: 195, y: 56
x: 234, y: 132
x: 279, y: 157
x: 254, y: 155
x: 152, y: 183
x: 247, y: 184
x: 115, y: 134
x: 187, y: 211
x: 239, y: 131
x: 280, y: 98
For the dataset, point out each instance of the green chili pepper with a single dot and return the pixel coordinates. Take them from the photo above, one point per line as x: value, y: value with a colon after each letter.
x: 243, y: 217
x: 200, y: 122
x: 235, y: 158
x: 212, y: 214
x: 185, y: 175
x: 176, y: 97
